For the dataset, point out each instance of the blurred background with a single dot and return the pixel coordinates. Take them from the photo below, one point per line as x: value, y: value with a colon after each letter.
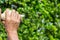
x: 41, y: 21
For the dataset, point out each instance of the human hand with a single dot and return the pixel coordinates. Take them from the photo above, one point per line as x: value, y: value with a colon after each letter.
x: 12, y: 20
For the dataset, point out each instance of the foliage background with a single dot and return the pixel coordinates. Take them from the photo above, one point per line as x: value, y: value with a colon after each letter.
x: 41, y: 21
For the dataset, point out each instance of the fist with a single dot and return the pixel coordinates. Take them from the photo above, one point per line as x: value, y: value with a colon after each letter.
x: 12, y: 20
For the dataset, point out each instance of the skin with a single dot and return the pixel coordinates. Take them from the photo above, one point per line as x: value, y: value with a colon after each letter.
x: 11, y: 23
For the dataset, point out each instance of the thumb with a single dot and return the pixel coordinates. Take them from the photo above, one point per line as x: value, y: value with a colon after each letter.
x: 3, y: 22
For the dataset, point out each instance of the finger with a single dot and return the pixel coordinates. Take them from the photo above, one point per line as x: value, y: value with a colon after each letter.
x: 8, y: 13
x: 18, y: 16
x: 3, y: 22
x: 13, y: 13
x: 19, y: 19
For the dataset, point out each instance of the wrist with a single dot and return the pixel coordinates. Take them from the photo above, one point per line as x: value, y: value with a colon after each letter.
x: 12, y: 34
x: 11, y: 31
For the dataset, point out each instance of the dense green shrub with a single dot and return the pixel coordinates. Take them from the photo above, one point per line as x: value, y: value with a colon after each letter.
x: 41, y: 21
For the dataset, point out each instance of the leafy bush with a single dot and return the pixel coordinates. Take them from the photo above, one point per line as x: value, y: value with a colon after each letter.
x: 41, y: 21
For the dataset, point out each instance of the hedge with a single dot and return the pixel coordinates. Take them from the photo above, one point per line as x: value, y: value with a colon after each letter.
x: 41, y: 21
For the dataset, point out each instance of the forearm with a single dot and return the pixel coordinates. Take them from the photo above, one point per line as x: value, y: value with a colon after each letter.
x: 12, y: 35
